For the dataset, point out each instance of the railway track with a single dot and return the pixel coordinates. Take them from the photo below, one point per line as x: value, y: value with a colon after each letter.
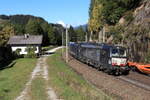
x: 136, y: 78
x: 135, y: 82
x: 129, y: 87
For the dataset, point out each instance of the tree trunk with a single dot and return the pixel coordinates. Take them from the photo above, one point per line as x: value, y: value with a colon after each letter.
x: 104, y: 34
x: 100, y: 36
x: 91, y: 36
x: 86, y: 37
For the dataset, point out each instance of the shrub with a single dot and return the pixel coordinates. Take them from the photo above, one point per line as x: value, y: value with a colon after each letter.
x: 6, y: 56
x: 147, y: 58
x: 30, y: 52
x: 117, y: 33
x: 129, y: 16
x: 16, y: 54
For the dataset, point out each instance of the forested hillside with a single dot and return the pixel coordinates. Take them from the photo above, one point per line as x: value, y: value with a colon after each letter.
x: 108, y: 12
x: 27, y: 24
x: 126, y: 22
x: 23, y: 24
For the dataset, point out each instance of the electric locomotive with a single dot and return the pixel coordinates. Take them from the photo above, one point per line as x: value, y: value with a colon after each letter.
x: 108, y: 58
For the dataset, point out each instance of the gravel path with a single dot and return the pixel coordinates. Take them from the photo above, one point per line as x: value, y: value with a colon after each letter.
x: 41, y: 69
x: 109, y: 84
x: 25, y: 93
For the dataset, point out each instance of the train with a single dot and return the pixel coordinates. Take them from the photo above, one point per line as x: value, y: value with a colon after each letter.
x: 104, y: 57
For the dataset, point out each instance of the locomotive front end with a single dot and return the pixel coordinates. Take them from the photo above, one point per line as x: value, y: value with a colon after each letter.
x: 119, y: 59
x: 119, y: 62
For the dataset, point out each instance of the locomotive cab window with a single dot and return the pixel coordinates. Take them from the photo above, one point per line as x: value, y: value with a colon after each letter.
x: 118, y: 52
x: 115, y: 52
x: 122, y: 52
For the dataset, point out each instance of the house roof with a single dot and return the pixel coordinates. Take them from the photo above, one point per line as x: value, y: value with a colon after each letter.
x: 23, y: 40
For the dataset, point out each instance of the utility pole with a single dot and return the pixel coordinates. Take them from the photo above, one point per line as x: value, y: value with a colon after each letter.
x: 66, y: 44
x: 86, y: 37
x: 91, y: 36
x: 100, y: 36
x: 104, y: 34
x: 62, y: 42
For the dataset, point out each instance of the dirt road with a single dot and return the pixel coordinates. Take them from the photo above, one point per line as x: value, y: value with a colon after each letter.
x: 39, y: 71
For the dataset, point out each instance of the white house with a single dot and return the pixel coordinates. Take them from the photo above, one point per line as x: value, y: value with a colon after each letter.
x: 23, y: 41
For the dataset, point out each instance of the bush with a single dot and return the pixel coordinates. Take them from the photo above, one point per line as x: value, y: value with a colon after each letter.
x: 17, y: 53
x: 117, y: 33
x: 6, y: 56
x: 147, y: 58
x: 1, y: 58
x: 30, y: 52
x: 129, y: 16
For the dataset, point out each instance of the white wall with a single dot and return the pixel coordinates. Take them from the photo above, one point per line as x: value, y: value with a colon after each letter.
x: 23, y: 49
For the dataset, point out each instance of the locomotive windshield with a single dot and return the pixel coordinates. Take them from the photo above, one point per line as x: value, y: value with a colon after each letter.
x: 118, y: 52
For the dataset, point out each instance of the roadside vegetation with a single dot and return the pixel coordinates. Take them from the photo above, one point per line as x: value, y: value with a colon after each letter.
x: 14, y: 78
x: 68, y: 84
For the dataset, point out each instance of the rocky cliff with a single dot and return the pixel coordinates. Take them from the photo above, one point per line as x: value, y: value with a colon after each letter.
x: 137, y: 33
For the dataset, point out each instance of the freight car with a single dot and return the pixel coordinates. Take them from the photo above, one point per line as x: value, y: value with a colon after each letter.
x: 139, y: 67
x: 108, y: 58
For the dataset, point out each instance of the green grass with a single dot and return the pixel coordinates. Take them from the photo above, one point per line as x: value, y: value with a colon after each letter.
x: 68, y: 84
x: 13, y: 80
x: 38, y: 89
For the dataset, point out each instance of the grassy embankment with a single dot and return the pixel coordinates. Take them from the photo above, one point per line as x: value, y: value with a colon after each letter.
x: 13, y: 79
x: 68, y: 84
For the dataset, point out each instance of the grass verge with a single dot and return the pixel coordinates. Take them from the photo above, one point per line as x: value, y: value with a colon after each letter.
x: 38, y: 89
x: 13, y: 79
x: 68, y: 84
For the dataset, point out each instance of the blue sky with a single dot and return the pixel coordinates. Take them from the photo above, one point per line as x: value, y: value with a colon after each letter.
x: 74, y: 12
